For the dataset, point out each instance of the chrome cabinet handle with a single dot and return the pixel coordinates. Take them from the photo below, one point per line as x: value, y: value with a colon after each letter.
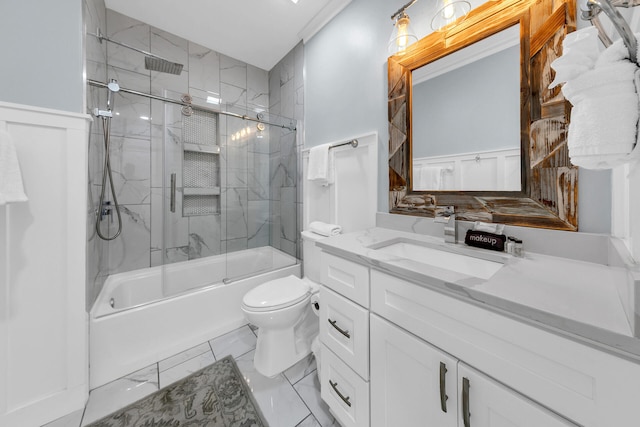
x: 465, y: 402
x: 172, y: 202
x: 334, y: 386
x: 342, y: 331
x: 443, y: 394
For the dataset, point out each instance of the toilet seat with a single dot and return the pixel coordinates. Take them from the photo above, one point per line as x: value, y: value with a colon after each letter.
x: 276, y: 294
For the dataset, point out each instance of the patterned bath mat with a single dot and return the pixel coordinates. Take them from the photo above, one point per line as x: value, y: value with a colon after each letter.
x: 216, y: 396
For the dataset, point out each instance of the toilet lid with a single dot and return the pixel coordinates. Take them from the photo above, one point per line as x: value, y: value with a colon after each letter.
x: 275, y: 294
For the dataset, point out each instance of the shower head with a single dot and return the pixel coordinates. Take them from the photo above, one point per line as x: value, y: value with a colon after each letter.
x: 151, y: 62
x: 162, y: 65
x: 113, y: 87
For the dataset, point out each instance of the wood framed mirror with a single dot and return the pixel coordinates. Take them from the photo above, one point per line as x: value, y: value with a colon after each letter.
x: 547, y: 196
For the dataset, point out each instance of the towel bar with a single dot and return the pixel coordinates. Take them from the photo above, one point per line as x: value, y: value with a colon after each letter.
x: 353, y: 143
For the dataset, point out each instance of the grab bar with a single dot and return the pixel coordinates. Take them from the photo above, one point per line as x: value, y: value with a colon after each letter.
x: 618, y: 21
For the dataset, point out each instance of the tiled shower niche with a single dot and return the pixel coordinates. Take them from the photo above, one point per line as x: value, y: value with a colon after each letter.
x: 200, y: 164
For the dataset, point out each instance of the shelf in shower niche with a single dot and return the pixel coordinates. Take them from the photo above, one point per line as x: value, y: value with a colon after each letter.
x: 211, y: 149
x: 214, y: 191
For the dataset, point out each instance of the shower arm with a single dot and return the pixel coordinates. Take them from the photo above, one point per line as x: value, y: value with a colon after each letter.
x: 102, y: 37
x: 195, y: 107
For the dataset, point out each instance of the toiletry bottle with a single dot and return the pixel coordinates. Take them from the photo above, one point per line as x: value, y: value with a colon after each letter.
x: 518, y: 249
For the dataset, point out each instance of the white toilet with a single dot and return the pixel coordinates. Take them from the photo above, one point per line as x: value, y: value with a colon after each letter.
x: 282, y: 310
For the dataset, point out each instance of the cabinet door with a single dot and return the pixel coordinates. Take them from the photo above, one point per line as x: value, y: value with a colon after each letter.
x: 487, y: 403
x: 412, y: 383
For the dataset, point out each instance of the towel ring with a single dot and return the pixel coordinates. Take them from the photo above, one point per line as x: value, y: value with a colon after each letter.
x: 621, y: 26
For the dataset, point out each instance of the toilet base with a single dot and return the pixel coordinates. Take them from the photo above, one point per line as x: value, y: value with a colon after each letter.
x: 279, y: 349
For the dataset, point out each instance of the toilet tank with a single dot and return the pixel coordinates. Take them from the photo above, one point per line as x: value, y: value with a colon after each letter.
x: 311, y: 255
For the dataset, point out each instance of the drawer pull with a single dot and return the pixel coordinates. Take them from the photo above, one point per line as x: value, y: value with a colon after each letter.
x: 465, y: 402
x: 334, y: 386
x: 443, y: 394
x: 342, y: 331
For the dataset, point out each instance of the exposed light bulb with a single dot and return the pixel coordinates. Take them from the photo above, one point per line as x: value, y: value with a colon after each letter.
x: 403, y: 35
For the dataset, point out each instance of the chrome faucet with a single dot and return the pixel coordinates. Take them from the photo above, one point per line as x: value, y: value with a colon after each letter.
x: 446, y: 215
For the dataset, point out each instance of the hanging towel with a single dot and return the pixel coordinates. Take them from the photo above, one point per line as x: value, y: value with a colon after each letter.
x: 320, y: 165
x: 325, y: 229
x: 11, y: 188
x: 429, y: 178
x: 604, y: 118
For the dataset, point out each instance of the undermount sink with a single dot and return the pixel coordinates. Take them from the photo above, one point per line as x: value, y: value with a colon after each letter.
x: 471, y: 262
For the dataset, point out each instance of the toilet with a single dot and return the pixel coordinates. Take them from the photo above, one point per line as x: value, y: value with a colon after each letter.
x: 283, y: 311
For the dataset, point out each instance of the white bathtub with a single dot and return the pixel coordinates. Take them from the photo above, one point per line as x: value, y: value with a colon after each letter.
x: 133, y: 325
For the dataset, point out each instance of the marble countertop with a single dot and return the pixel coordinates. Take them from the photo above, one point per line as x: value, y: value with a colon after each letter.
x: 577, y: 299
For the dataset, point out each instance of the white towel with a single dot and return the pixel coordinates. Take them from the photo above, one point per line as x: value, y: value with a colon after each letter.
x: 325, y: 229
x: 11, y: 188
x: 580, y: 52
x: 429, y: 178
x: 604, y: 118
x: 320, y: 165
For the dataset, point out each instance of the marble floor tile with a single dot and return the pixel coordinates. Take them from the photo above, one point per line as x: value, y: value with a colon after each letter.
x: 185, y: 369
x: 278, y: 401
x: 179, y: 358
x: 309, y: 390
x: 301, y: 369
x: 283, y: 404
x: 310, y: 421
x: 120, y: 393
x: 235, y: 343
x: 72, y: 420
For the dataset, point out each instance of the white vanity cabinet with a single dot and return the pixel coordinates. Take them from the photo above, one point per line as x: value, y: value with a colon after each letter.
x: 520, y: 364
x: 411, y: 381
x: 344, y: 334
x: 416, y: 384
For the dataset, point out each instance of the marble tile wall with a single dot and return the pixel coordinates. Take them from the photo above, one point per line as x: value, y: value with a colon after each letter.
x: 258, y: 174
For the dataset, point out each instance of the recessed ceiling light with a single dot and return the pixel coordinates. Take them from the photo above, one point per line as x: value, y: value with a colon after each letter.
x: 295, y: 1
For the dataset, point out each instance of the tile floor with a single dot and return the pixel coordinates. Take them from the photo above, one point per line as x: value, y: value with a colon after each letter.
x: 291, y: 399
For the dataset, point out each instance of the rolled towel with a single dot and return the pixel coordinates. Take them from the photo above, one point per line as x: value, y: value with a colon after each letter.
x: 325, y: 229
x: 11, y: 188
x: 604, y: 118
x: 580, y: 52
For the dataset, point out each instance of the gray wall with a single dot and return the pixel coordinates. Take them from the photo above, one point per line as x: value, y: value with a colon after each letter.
x: 41, y: 53
x: 346, y: 94
x: 484, y: 95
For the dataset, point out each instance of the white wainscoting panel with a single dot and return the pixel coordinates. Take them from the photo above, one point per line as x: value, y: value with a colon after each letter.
x: 43, y: 322
x: 351, y: 201
x: 497, y: 170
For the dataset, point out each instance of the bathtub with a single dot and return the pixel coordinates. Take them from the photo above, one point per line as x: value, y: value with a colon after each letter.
x: 132, y: 324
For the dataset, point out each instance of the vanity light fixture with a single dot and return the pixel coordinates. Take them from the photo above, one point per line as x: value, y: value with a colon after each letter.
x: 448, y: 13
x: 402, y: 35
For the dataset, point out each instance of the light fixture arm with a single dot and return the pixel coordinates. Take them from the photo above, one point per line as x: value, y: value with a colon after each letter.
x: 402, y: 9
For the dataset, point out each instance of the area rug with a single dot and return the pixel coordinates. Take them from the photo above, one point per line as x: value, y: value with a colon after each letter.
x: 216, y: 396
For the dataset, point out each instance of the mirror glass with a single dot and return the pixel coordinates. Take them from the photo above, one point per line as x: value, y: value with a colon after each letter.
x: 466, y: 118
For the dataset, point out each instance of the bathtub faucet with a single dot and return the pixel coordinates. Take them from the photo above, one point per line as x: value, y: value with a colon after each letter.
x: 446, y: 215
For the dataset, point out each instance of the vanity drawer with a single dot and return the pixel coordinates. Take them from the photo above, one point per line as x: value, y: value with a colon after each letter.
x: 344, y: 328
x: 345, y: 277
x: 344, y: 391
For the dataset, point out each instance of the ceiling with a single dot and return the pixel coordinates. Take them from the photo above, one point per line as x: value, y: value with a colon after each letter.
x: 258, y: 32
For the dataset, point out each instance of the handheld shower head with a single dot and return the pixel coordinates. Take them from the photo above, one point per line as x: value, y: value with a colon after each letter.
x: 113, y: 87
